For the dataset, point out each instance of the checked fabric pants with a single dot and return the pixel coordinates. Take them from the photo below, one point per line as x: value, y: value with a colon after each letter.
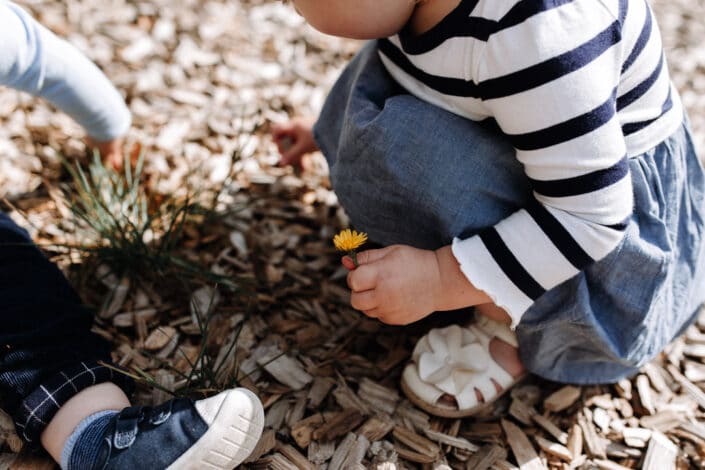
x: 47, y: 351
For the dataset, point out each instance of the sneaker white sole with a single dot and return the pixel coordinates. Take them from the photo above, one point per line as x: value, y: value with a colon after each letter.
x: 235, y: 418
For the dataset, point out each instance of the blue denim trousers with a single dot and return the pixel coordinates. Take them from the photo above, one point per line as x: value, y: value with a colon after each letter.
x: 409, y: 172
x: 47, y: 350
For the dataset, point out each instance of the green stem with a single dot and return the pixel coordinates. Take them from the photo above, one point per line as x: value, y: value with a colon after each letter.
x: 353, y: 255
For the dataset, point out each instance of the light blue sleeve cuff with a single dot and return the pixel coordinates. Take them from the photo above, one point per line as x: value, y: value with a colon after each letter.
x: 34, y: 60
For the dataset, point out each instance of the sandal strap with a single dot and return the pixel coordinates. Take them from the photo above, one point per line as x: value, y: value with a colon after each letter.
x: 425, y: 391
x: 453, y: 383
x: 496, y: 329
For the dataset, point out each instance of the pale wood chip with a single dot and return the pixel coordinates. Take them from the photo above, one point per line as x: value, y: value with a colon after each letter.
x: 620, y: 451
x: 285, y: 369
x: 594, y: 444
x: 485, y: 457
x: 554, y: 448
x: 694, y: 371
x: 294, y: 456
x: 357, y: 453
x: 457, y: 442
x: 504, y: 465
x: 320, y: 452
x: 575, y: 440
x: 377, y: 396
x: 376, y: 428
x: 526, y: 456
x: 341, y: 423
x: 661, y: 454
x: 662, y: 421
x: 601, y: 418
x: 657, y: 375
x: 636, y: 437
x: 417, y: 443
x: 609, y: 465
x: 624, y: 388
x: 117, y: 298
x: 319, y: 391
x: 412, y: 456
x: 342, y: 451
x: 562, y: 399
x: 264, y: 446
x: 645, y: 395
x: 521, y: 412
x: 688, y: 386
x: 275, y: 461
x: 303, y: 430
x: 28, y: 461
x: 159, y: 338
x: 550, y: 428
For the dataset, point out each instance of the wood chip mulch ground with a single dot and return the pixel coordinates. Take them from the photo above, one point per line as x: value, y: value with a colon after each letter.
x: 207, y: 79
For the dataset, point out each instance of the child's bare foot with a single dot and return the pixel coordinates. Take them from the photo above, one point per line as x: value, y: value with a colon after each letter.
x: 294, y: 139
x: 504, y: 354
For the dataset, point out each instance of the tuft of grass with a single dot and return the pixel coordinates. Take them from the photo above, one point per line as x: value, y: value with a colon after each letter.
x: 119, y: 223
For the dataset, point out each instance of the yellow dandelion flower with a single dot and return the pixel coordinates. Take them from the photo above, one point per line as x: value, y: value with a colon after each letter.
x: 349, y: 240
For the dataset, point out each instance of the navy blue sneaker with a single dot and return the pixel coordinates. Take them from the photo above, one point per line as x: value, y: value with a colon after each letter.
x: 216, y: 433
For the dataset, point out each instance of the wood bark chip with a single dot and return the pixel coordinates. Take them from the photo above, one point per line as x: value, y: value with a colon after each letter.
x: 562, y: 399
x: 457, y: 442
x: 594, y: 444
x: 417, y: 443
x: 294, y: 456
x: 302, y: 432
x: 159, y: 338
x: 645, y: 395
x: 661, y: 454
x: 376, y: 428
x: 485, y: 457
x: 526, y: 456
x: 342, y: 423
x: 554, y: 448
x: 550, y: 428
x: 575, y: 440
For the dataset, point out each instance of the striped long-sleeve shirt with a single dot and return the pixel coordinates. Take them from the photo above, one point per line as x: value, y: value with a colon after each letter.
x: 578, y: 86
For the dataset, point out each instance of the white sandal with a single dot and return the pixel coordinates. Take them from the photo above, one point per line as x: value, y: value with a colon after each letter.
x: 455, y: 361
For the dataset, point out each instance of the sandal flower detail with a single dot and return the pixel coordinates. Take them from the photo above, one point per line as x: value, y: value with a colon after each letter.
x: 350, y: 240
x: 450, y: 357
x: 455, y: 361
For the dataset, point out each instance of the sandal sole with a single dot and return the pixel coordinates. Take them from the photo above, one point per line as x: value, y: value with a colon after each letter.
x: 454, y: 412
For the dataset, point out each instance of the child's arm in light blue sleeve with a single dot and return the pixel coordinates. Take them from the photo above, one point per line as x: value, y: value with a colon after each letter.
x: 34, y: 60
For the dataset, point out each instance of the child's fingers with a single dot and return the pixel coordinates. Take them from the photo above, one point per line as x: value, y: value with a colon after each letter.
x: 279, y: 130
x: 363, y: 278
x: 364, y: 301
x: 348, y: 263
x: 372, y: 313
x: 370, y: 256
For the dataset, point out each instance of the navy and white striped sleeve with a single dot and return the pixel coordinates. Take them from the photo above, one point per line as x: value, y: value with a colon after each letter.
x: 551, y: 84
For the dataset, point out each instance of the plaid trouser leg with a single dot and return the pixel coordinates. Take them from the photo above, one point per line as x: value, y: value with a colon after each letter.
x: 41, y: 405
x: 47, y: 351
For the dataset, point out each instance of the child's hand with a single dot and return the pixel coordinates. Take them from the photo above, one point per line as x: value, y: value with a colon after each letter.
x: 397, y: 285
x: 110, y: 152
x: 294, y: 140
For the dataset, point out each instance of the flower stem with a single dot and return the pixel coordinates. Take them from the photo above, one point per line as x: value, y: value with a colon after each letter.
x: 353, y: 255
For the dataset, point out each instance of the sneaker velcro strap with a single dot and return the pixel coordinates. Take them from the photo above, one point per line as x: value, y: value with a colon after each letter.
x: 161, y: 413
x: 126, y: 427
